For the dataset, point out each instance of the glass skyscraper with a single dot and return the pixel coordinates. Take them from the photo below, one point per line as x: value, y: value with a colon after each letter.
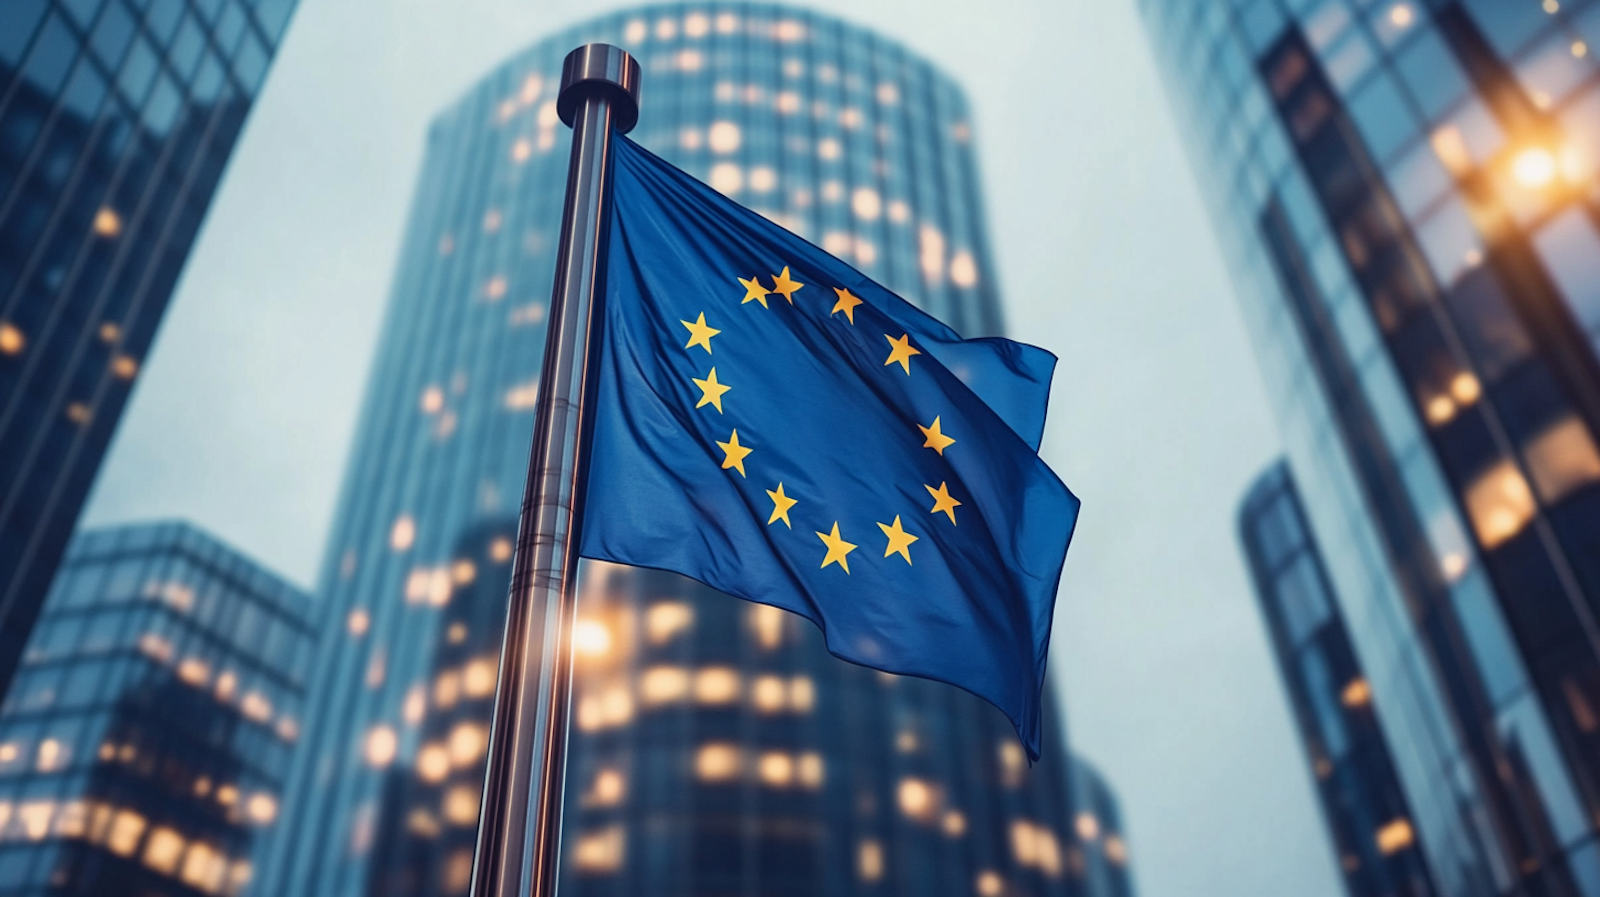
x: 1101, y: 859
x: 717, y: 748
x: 1363, y: 805
x: 144, y: 744
x: 1406, y: 196
x: 116, y: 120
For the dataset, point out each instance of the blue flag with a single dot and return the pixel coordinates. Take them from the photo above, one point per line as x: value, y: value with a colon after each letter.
x: 777, y: 426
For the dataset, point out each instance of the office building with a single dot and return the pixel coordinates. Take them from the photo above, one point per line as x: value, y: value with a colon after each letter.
x: 717, y: 748
x: 1363, y: 806
x: 116, y: 121
x: 1101, y: 858
x: 1405, y: 193
x: 143, y: 747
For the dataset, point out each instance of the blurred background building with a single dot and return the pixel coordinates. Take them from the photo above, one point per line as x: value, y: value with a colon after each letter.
x: 116, y: 121
x: 144, y: 743
x: 1405, y: 192
x: 1097, y: 822
x: 1367, y: 817
x: 718, y: 749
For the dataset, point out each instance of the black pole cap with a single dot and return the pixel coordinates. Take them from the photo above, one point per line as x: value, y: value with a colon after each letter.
x: 600, y: 68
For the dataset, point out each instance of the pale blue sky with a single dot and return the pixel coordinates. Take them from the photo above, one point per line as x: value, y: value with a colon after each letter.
x: 243, y: 417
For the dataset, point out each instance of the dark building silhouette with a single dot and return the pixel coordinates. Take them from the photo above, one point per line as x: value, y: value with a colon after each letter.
x: 143, y: 747
x: 717, y: 748
x: 116, y: 121
x: 1362, y: 802
x: 1102, y: 846
x: 1406, y: 194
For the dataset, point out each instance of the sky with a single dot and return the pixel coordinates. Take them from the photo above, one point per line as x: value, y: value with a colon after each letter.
x: 243, y: 417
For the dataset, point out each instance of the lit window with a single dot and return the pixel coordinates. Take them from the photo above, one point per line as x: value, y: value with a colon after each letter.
x: 1088, y: 826
x: 126, y: 829
x: 963, y: 271
x: 35, y: 817
x: 52, y: 755
x: 832, y: 191
x: 463, y: 571
x: 162, y: 849
x: 1400, y: 15
x: 204, y: 867
x: 107, y: 223
x: 477, y: 678
x: 869, y: 859
x: 403, y: 533
x: 461, y: 805
x: 775, y: 769
x: 457, y: 875
x: 447, y: 689
x: 866, y: 204
x: 727, y: 23
x: 888, y: 93
x: 1036, y: 846
x: 689, y: 60
x: 666, y: 619
x: 194, y: 671
x: 1357, y: 694
x: 467, y: 743
x: 72, y: 819
x: 666, y: 29
x: 717, y: 762
x: 599, y: 851
x: 809, y: 770
x: 608, y: 788
x: 635, y: 31
x: 849, y: 118
x: 523, y: 396
x: 521, y: 150
x: 124, y: 366
x: 591, y: 637
x: 828, y: 148
x: 1012, y: 763
x: 491, y: 221
x: 376, y: 668
x: 659, y: 685
x: 415, y: 705
x: 358, y: 621
x: 500, y: 550
x: 763, y: 179
x: 1451, y: 148
x: 989, y: 884
x: 716, y: 685
x: 531, y: 86
x: 262, y: 807
x: 689, y: 138
x: 768, y: 623
x: 433, y: 763
x: 696, y: 24
x: 802, y: 694
x: 238, y: 876
x: 767, y: 693
x: 79, y: 413
x: 227, y: 795
x: 381, y: 745
x: 954, y: 824
x: 11, y: 339
x: 1116, y: 851
x: 917, y: 799
x: 726, y: 178
x: 1395, y: 836
x: 1499, y: 503
x: 787, y: 102
x: 1562, y: 459
x: 495, y: 289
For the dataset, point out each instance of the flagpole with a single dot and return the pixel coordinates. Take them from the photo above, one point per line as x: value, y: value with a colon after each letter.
x: 519, y: 825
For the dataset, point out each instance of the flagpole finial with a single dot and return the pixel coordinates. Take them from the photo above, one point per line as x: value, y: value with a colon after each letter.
x: 603, y: 68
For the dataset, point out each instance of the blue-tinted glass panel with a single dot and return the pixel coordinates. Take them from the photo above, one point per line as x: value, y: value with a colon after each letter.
x: 274, y: 17
x: 1432, y: 74
x: 1507, y: 25
x: 18, y: 19
x: 51, y: 56
x: 111, y: 35
x: 1570, y: 249
x: 137, y: 73
x: 1382, y: 116
x: 162, y: 18
x: 250, y: 63
x: 186, y: 48
x: 85, y: 91
x: 82, y: 11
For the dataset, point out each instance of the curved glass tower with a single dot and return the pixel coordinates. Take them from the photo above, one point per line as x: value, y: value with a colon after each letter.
x: 717, y: 748
x: 1407, y: 196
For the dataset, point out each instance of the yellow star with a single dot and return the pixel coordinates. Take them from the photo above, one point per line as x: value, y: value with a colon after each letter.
x: 847, y: 303
x: 784, y: 286
x: 899, y: 540
x: 734, y: 453
x: 780, y: 507
x: 700, y: 334
x: 936, y: 440
x: 754, y: 290
x: 943, y: 502
x: 901, y: 351
x: 837, y: 548
x: 710, y: 391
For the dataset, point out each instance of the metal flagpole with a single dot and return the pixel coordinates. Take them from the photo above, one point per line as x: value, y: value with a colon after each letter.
x: 519, y: 827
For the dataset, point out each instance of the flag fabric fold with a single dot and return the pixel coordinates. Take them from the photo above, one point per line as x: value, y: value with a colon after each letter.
x: 774, y: 424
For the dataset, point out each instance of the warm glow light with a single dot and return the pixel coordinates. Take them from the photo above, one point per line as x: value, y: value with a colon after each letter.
x: 659, y: 685
x: 599, y: 851
x: 716, y: 685
x: 1400, y: 15
x: 809, y: 770
x: 1012, y: 763
x: 415, y: 704
x: 107, y: 223
x: 1357, y: 694
x: 963, y: 270
x: 1088, y: 826
x: 227, y: 684
x: 666, y: 619
x: 869, y: 860
x: 255, y: 706
x: 162, y: 849
x: 447, y: 689
x: 227, y: 795
x: 467, y: 743
x: 866, y: 203
x: 763, y: 179
x: 1395, y: 836
x: 954, y: 824
x: 989, y: 884
x: 768, y: 694
x: 802, y: 695
x: 262, y: 807
x: 775, y: 769
x: 11, y: 339
x: 381, y: 746
x: 828, y: 149
x: 124, y: 366
x: 433, y: 763
x: 461, y: 805
x: 724, y: 137
x: 500, y: 550
x: 126, y: 829
x: 916, y: 798
x: 477, y: 678
x: 463, y: 572
x: 608, y: 788
x: 717, y: 762
x: 1451, y: 148
x: 726, y: 178
x: 767, y: 621
x: 591, y: 637
x: 1500, y: 504
x: 432, y: 399
x: 1116, y: 850
x: 1534, y: 167
x: 194, y: 671
x: 521, y: 150
x: 1465, y: 388
x: 403, y: 533
x: 35, y: 817
x: 1440, y: 409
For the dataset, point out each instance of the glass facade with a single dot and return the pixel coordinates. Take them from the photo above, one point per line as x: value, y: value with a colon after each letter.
x: 144, y: 743
x: 1363, y: 805
x: 1406, y: 196
x: 717, y: 748
x: 116, y: 120
x: 1102, y: 857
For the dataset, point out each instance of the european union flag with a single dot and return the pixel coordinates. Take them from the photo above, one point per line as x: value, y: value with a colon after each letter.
x: 774, y: 424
